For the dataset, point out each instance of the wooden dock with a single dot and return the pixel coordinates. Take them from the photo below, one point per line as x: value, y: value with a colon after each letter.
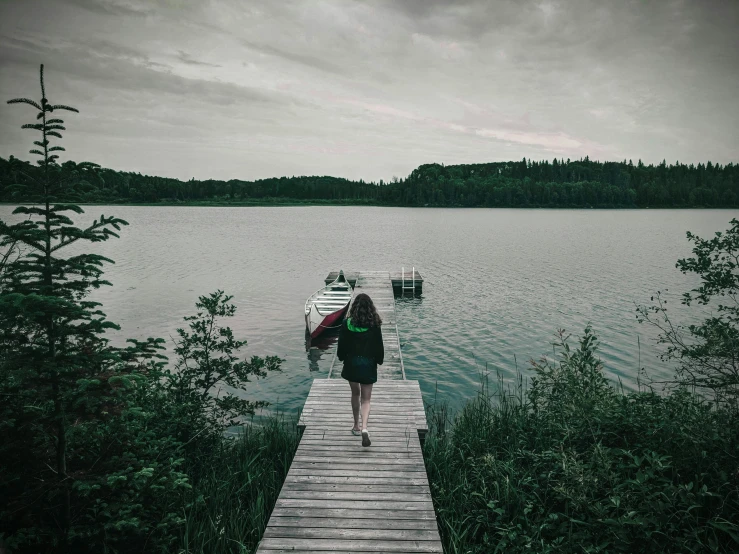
x: 341, y: 497
x: 377, y: 285
x: 410, y: 279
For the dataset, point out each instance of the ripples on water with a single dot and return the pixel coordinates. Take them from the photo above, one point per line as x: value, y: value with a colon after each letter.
x: 497, y: 283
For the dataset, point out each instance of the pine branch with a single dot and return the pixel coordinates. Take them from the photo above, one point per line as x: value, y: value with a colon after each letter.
x: 62, y: 107
x: 30, y: 243
x: 25, y: 101
x: 26, y: 210
x: 6, y: 256
x: 64, y: 207
x: 90, y: 234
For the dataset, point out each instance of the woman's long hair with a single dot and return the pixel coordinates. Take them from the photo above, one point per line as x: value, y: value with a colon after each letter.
x: 363, y: 312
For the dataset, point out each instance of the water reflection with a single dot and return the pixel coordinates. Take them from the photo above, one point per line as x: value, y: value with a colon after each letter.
x: 408, y: 298
x: 399, y: 292
x: 319, y: 347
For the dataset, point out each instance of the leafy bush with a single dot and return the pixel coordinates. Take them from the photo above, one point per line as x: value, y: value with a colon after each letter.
x: 572, y: 465
x: 707, y: 353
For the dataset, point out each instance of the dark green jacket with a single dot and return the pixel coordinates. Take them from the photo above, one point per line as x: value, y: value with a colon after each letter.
x: 360, y: 341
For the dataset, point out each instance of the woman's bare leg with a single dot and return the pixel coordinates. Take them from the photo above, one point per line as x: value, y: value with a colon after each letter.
x: 366, y: 396
x: 355, y: 403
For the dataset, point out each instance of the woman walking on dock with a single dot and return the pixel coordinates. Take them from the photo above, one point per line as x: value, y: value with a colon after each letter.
x: 361, y: 349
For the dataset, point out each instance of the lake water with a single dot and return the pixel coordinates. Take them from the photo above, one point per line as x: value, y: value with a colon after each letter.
x: 497, y: 283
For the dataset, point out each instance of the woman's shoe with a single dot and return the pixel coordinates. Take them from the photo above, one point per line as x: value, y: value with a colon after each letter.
x: 355, y: 432
x: 365, y: 438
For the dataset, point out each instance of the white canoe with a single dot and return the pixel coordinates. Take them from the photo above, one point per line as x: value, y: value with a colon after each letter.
x: 325, y: 307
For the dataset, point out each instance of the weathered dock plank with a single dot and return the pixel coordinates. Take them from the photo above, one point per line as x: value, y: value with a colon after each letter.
x: 342, y: 497
x: 356, y: 523
x: 376, y: 544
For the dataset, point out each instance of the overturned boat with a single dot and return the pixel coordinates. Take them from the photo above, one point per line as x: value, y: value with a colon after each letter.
x: 325, y: 308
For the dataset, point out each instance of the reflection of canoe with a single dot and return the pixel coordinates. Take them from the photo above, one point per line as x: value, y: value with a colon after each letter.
x: 322, y: 345
x: 324, y: 341
x: 325, y: 307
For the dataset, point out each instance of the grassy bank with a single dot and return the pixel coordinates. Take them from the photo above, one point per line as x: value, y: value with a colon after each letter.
x: 573, y: 465
x: 235, y: 489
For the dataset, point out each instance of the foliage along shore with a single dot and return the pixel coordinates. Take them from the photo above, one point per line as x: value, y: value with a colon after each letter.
x: 573, y: 465
x: 525, y: 184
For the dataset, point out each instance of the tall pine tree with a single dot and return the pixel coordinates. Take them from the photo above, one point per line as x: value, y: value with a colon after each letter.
x: 59, y: 377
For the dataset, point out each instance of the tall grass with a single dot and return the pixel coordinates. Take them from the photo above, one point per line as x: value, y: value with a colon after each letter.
x: 234, y: 493
x: 573, y: 465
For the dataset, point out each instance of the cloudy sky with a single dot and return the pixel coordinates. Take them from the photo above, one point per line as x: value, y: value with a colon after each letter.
x: 242, y: 89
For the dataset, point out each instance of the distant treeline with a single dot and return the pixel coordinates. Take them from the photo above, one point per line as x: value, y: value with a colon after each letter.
x: 559, y: 183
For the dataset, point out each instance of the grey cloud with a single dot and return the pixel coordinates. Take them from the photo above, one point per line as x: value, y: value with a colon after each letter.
x: 464, y: 19
x: 303, y: 59
x: 184, y: 57
x: 114, y: 7
x: 129, y: 70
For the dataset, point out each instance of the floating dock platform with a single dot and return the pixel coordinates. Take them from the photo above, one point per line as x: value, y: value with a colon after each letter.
x: 341, y: 497
x: 407, y: 280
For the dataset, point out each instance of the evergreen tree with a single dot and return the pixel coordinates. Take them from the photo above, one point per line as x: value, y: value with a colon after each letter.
x: 565, y: 184
x: 61, y: 382
x: 98, y: 445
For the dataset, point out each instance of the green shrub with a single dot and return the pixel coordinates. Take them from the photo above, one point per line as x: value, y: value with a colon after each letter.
x: 572, y: 465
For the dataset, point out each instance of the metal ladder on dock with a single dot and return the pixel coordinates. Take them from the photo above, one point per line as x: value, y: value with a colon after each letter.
x: 403, y: 286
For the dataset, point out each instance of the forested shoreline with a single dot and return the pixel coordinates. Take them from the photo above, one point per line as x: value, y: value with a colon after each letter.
x: 515, y: 184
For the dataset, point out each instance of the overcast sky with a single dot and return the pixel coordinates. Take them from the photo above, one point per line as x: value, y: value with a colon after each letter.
x: 240, y: 89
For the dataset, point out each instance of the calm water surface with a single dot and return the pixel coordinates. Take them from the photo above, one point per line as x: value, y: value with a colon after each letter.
x: 498, y: 283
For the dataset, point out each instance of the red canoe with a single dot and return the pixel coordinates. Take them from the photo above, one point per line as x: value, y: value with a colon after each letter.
x: 325, y: 307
